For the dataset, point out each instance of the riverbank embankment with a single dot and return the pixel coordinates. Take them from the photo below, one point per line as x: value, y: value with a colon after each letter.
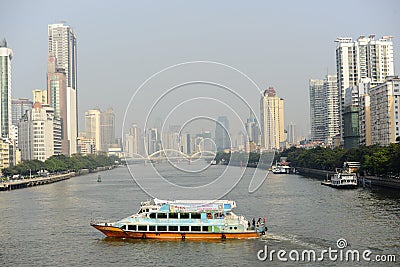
x: 29, y: 182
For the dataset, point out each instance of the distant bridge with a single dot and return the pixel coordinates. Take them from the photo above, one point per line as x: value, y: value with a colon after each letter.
x: 172, y: 154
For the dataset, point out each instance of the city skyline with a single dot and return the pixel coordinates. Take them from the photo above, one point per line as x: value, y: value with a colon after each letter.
x: 134, y: 59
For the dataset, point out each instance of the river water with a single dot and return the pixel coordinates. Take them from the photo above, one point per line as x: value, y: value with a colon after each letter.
x: 49, y: 225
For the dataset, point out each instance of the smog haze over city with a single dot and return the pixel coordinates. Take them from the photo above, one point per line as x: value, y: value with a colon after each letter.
x: 123, y: 43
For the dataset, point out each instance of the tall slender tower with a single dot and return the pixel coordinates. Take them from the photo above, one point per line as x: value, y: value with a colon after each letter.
x: 92, y: 125
x: 62, y: 47
x: 252, y: 129
x: 6, y: 55
x: 222, y: 136
x: 317, y: 110
x: 272, y: 119
x: 332, y: 108
x: 292, y: 139
x: 107, y: 129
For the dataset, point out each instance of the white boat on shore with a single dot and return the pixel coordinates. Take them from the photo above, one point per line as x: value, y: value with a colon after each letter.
x: 342, y: 179
x: 278, y: 170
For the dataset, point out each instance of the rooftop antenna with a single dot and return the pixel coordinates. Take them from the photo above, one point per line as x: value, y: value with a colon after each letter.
x: 3, y: 42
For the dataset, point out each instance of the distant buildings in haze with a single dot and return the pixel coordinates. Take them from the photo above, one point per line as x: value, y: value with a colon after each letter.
x: 99, y: 135
x: 222, y: 135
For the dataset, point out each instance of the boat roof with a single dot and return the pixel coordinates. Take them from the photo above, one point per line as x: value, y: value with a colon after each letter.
x: 194, y: 205
x: 192, y: 201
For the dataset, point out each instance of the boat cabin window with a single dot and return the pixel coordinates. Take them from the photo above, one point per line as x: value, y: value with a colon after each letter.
x: 123, y: 227
x: 161, y: 215
x: 196, y: 215
x: 132, y: 227
x: 218, y: 215
x: 209, y: 215
x: 161, y: 228
x: 173, y: 215
x: 184, y: 228
x: 152, y: 228
x: 184, y: 215
x: 147, y: 210
x: 173, y: 228
x: 204, y: 228
x: 142, y: 227
x: 196, y: 228
x: 152, y: 215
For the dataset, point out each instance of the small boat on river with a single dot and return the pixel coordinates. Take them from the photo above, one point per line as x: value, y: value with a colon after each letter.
x: 184, y: 219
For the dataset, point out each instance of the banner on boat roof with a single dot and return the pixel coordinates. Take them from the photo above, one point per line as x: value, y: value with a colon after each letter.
x: 199, y: 207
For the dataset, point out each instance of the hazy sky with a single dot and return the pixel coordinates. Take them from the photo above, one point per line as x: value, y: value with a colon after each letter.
x: 122, y: 43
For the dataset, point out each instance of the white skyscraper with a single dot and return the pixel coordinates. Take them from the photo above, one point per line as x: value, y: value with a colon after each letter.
x: 36, y: 133
x: 6, y: 55
x: 92, y: 126
x: 364, y: 58
x: 332, y: 108
x: 62, y: 46
x: 272, y: 119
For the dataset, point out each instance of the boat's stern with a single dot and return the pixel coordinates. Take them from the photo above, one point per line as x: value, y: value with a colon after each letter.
x: 262, y: 229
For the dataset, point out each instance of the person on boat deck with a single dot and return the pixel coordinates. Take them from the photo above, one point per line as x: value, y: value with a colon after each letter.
x: 254, y: 222
x: 248, y: 224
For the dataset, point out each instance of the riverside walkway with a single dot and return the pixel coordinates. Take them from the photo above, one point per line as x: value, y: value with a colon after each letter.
x: 17, y: 184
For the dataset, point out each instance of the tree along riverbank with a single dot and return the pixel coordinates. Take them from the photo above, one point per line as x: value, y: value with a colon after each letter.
x: 378, y: 161
x: 242, y: 159
x: 61, y: 163
x: 379, y: 165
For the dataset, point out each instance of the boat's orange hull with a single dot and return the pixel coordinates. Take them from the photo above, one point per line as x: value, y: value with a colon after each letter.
x: 111, y: 231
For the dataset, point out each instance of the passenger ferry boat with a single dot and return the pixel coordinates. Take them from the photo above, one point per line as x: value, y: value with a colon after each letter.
x: 342, y: 179
x: 184, y: 219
